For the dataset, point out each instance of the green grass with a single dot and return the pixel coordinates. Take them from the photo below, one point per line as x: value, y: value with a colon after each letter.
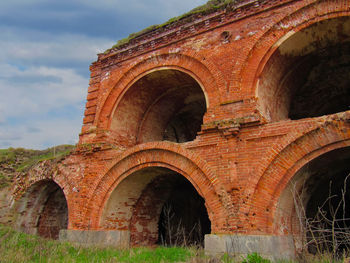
x: 255, y: 258
x: 22, y: 159
x: 4, y: 181
x: 48, y: 155
x: 210, y: 6
x: 20, y: 247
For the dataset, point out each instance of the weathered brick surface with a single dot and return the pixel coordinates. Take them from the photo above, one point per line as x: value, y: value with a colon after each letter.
x: 247, y: 150
x: 54, y: 215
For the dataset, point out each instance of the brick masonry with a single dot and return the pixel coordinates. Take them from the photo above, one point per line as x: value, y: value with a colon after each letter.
x: 247, y: 61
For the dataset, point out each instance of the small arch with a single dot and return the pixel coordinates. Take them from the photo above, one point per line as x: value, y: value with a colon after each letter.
x: 42, y: 210
x: 163, y: 104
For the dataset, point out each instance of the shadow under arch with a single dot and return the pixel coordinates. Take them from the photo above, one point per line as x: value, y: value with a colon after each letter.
x: 281, y: 169
x: 316, y: 195
x: 161, y: 104
x: 157, y: 205
x: 160, y: 155
x: 42, y: 209
x: 260, y: 54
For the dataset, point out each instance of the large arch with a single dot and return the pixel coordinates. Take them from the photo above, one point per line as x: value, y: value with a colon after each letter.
x: 258, y: 69
x: 311, y: 63
x: 164, y: 155
x: 42, y: 209
x: 205, y: 75
x: 316, y: 195
x: 163, y: 104
x: 157, y: 205
x: 283, y: 167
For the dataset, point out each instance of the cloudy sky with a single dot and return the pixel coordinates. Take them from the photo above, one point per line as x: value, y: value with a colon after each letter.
x: 46, y: 47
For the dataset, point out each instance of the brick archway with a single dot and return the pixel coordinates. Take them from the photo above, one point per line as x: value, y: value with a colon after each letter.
x: 273, y: 181
x: 302, y: 18
x: 186, y: 64
x: 43, y: 208
x: 164, y: 155
x: 163, y: 104
x: 46, y: 171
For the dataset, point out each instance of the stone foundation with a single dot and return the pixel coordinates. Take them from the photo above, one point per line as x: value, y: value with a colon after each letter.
x: 272, y: 247
x: 113, y: 238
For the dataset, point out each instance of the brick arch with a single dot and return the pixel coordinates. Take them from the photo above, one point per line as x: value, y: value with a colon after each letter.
x: 37, y: 175
x: 206, y: 76
x: 273, y: 181
x: 167, y: 155
x: 269, y: 42
x: 43, y: 207
x: 44, y: 171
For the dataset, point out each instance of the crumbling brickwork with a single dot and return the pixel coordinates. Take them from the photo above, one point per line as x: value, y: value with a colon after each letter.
x: 236, y: 101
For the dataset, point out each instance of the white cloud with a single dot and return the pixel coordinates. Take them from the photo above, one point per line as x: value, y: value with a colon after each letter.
x: 39, y: 90
x: 50, y: 48
x: 151, y: 5
x: 159, y: 9
x: 40, y: 83
x: 40, y: 134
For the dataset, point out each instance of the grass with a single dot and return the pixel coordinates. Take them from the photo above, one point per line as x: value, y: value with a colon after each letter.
x: 21, y: 159
x: 20, y: 247
x: 210, y: 6
x: 49, y: 154
x: 4, y: 181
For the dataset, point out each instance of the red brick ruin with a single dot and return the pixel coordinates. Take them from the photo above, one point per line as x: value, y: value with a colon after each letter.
x: 213, y: 122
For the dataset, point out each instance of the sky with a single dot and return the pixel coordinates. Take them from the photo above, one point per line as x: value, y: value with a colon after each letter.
x: 46, y: 48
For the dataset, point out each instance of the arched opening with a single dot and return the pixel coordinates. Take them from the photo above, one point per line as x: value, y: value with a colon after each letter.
x: 157, y: 206
x: 317, y: 203
x: 166, y: 104
x: 309, y: 73
x: 43, y: 210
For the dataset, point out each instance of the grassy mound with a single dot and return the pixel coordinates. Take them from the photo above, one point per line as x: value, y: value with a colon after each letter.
x: 22, y: 159
x: 13, y: 160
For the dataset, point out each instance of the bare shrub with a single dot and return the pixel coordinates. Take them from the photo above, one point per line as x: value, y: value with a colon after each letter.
x: 176, y: 233
x: 326, y: 235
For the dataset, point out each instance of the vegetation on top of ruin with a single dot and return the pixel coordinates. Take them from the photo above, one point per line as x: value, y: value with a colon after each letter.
x: 14, y: 160
x: 209, y: 7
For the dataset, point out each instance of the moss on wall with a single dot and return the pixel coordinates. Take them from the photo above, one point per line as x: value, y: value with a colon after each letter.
x: 209, y: 7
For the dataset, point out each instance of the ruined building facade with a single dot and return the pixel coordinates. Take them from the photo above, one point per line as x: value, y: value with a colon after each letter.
x: 216, y: 120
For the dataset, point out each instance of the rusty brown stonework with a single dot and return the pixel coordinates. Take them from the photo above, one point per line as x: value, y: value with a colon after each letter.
x: 237, y: 102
